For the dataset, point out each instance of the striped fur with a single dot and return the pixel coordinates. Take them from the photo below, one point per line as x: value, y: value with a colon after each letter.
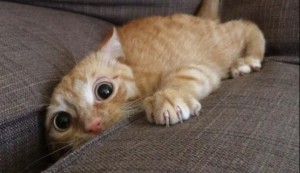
x: 186, y: 58
x: 163, y: 65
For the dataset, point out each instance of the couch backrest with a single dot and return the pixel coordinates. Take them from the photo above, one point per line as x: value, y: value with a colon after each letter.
x: 120, y: 11
x: 279, y: 19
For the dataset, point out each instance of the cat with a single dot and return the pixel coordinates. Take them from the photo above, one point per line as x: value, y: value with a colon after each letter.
x: 162, y: 65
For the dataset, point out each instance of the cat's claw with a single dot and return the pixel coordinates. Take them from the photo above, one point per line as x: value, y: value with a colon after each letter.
x: 169, y: 107
x: 167, y: 118
x: 197, y: 109
x: 179, y: 114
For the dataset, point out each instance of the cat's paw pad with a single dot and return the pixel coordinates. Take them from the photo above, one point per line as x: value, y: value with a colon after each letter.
x: 169, y: 107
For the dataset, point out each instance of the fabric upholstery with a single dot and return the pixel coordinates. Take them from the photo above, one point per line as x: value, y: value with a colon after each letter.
x: 37, y: 47
x: 279, y: 20
x: 250, y: 124
x: 120, y: 12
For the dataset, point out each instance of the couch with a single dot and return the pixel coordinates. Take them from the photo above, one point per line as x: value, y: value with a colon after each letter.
x: 251, y: 124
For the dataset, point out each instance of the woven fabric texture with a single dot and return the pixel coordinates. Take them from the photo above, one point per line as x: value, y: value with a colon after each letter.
x: 279, y: 20
x: 251, y: 124
x: 120, y: 12
x: 37, y: 47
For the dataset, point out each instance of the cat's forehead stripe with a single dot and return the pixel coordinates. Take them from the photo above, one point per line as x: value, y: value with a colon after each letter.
x: 88, y: 94
x: 84, y: 90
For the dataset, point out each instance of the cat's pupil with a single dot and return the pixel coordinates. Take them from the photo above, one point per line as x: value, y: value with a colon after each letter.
x: 62, y: 120
x: 104, y: 91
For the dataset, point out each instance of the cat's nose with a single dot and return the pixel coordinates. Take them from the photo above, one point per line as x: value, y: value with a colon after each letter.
x: 94, y: 126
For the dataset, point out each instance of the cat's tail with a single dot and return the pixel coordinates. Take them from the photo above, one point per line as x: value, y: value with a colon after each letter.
x: 209, y: 9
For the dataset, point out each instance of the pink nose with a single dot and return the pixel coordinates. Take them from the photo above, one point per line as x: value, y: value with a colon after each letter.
x: 94, y: 126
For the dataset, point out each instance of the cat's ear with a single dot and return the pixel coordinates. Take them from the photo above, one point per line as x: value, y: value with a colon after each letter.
x: 112, y: 49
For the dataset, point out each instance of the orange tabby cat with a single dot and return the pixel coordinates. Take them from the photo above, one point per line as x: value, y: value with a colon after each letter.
x: 163, y: 65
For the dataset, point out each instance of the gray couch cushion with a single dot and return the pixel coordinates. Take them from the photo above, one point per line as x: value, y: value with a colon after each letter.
x: 37, y: 47
x: 120, y: 12
x: 250, y: 124
x: 279, y: 20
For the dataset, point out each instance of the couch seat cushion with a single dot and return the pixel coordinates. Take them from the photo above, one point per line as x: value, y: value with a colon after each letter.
x: 251, y: 124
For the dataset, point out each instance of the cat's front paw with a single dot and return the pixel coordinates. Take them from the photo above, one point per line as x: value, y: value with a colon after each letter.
x: 170, y: 107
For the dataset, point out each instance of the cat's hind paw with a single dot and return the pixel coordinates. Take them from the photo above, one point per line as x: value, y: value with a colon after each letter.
x: 244, y: 66
x: 254, y: 63
x: 240, y: 71
x: 168, y: 107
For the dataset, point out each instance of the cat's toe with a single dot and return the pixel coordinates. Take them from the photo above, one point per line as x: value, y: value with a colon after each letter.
x: 254, y: 63
x: 182, y: 109
x: 168, y: 107
x: 193, y: 105
x: 234, y: 73
x: 148, y: 105
x: 166, y: 114
x: 196, y: 107
x: 183, y: 112
x: 244, y: 69
x: 240, y: 71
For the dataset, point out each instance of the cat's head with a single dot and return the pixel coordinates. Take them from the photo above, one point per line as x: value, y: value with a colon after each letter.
x: 91, y: 97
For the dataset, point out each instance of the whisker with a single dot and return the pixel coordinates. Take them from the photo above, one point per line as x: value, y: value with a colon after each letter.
x: 53, y: 143
x: 47, y: 156
x: 131, y: 109
x: 136, y: 100
x: 68, y: 152
x: 135, y: 104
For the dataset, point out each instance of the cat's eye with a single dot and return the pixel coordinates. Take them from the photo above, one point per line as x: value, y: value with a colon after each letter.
x: 62, y: 121
x: 103, y: 90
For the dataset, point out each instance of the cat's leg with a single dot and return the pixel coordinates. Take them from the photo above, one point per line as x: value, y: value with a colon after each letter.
x: 255, y: 47
x: 253, y: 51
x: 179, y: 94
